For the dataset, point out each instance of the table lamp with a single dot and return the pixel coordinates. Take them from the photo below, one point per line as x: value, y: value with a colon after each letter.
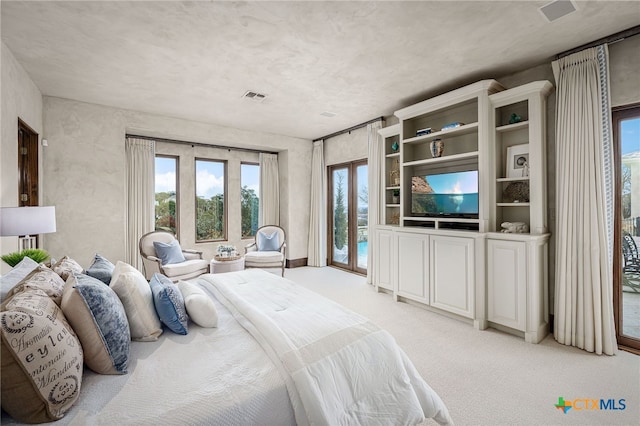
x: 27, y: 222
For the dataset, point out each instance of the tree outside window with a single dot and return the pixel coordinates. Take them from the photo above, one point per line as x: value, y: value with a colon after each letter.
x: 249, y: 201
x: 166, y: 200
x: 210, y: 200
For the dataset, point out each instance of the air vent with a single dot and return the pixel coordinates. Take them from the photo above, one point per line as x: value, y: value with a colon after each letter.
x: 557, y: 9
x: 328, y: 114
x: 254, y: 96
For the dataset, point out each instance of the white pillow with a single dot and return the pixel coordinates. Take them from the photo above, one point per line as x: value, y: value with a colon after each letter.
x: 136, y: 297
x: 200, y: 307
x: 17, y: 274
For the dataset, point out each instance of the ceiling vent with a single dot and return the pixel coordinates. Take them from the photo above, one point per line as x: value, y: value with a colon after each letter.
x: 254, y: 96
x: 557, y: 9
x: 328, y: 114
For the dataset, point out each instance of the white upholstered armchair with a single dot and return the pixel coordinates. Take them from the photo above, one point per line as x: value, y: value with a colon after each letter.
x: 268, y: 249
x: 161, y: 252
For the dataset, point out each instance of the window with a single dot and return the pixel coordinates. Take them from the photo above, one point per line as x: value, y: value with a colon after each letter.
x: 166, y: 183
x: 211, y: 200
x: 249, y: 198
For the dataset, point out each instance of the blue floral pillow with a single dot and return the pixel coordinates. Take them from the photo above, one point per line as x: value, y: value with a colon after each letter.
x: 101, y: 268
x: 100, y: 322
x: 169, y: 252
x: 268, y: 242
x: 169, y: 304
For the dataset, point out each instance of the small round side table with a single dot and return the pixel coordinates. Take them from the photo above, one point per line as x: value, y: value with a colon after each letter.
x: 226, y: 264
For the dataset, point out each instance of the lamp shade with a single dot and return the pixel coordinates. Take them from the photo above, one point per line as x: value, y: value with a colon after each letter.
x: 18, y: 221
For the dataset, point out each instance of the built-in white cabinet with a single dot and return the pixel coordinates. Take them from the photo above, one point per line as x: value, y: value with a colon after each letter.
x: 447, y: 251
x: 385, y: 261
x: 517, y: 289
x: 452, y: 269
x: 413, y: 266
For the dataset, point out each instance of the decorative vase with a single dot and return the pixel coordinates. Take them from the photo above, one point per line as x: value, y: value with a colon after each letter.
x: 395, y: 146
x: 437, y: 148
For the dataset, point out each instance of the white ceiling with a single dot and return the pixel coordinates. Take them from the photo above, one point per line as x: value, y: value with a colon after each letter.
x: 360, y: 60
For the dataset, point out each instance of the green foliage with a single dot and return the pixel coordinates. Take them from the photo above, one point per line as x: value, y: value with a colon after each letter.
x: 210, y: 218
x: 249, y: 207
x: 340, y: 216
x: 166, y: 211
x: 12, y: 259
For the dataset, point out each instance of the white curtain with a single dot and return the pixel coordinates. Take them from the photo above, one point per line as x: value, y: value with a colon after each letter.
x: 140, y: 199
x: 376, y: 190
x: 317, y: 249
x: 269, y: 213
x: 584, y: 201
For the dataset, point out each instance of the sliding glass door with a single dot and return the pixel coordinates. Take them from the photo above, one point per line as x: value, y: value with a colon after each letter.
x: 348, y: 216
x: 626, y: 123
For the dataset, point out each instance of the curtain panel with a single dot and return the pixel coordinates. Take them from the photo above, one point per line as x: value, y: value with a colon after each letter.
x: 376, y: 191
x: 584, y: 201
x: 269, y: 212
x: 140, y: 195
x: 317, y: 248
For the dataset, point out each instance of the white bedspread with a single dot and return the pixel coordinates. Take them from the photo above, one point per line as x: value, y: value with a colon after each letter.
x: 340, y: 369
x: 212, y: 376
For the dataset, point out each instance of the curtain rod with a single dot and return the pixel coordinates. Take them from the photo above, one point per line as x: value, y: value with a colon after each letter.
x: 349, y: 129
x: 229, y: 148
x: 613, y: 38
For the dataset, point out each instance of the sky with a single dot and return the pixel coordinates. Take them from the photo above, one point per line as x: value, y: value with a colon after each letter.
x: 454, y: 183
x: 209, y: 177
x: 630, y: 135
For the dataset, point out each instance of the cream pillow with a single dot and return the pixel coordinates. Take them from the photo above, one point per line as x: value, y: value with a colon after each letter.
x: 136, y: 297
x: 200, y: 307
x: 41, y: 359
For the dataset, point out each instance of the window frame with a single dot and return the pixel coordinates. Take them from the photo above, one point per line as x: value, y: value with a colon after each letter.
x: 225, y: 197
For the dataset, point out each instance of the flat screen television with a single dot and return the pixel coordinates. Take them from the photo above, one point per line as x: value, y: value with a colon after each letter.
x: 453, y: 194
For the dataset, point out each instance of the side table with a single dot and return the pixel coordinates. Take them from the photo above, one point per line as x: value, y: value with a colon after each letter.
x: 226, y: 265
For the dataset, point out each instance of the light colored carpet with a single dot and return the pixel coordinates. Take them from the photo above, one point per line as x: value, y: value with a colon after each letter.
x: 490, y: 377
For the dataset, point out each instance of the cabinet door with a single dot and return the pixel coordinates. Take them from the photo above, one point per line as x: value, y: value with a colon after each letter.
x: 413, y: 260
x: 453, y: 274
x: 384, y: 259
x: 506, y: 283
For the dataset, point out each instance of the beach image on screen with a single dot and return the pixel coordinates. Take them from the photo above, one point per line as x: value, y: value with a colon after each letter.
x: 445, y: 194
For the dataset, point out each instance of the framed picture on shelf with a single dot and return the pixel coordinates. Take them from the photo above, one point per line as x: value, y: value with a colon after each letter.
x: 518, y: 161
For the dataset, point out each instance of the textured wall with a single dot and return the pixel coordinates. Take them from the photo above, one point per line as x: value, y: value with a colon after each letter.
x: 84, y: 168
x: 350, y: 146
x: 624, y: 63
x: 20, y: 99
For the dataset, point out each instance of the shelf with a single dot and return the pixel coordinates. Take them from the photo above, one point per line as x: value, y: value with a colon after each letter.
x: 512, y: 127
x: 393, y: 155
x: 512, y: 179
x: 393, y: 205
x: 392, y: 187
x: 512, y: 204
x: 458, y: 131
x: 440, y: 219
x: 444, y: 159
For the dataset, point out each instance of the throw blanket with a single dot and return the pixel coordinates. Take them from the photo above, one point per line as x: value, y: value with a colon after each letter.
x: 340, y: 369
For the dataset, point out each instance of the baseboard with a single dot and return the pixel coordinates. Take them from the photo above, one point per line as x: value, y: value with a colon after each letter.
x: 296, y: 263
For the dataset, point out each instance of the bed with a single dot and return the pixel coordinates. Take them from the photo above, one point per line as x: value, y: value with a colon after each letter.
x: 280, y: 354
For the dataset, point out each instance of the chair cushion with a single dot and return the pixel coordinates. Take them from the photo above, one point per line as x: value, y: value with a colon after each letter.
x: 135, y: 294
x: 263, y: 257
x: 98, y: 318
x: 200, y: 307
x: 101, y: 268
x: 41, y: 359
x: 186, y: 267
x: 268, y: 242
x: 169, y: 252
x: 17, y: 274
x: 169, y: 304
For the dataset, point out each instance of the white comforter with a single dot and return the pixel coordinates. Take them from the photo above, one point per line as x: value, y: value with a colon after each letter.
x: 340, y: 369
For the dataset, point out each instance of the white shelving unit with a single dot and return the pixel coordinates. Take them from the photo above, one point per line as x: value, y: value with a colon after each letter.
x: 465, y: 265
x: 391, y: 135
